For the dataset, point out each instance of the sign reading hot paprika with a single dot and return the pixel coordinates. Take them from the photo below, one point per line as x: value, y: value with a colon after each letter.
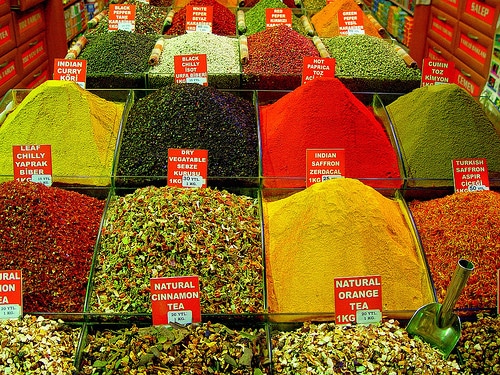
x: 314, y: 67
x: 351, y: 22
x: 355, y: 295
x: 437, y: 71
x: 199, y: 18
x: 187, y: 167
x: 470, y: 175
x: 121, y: 17
x: 11, y: 294
x: 33, y: 163
x: 175, y: 300
x: 71, y: 70
x: 191, y: 69
x: 278, y: 17
x: 324, y: 164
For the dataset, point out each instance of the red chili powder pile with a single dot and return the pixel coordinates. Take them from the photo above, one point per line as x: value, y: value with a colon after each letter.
x: 462, y: 225
x: 324, y: 114
x: 49, y: 234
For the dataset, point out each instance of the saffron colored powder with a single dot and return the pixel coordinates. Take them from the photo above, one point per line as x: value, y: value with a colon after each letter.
x: 324, y: 114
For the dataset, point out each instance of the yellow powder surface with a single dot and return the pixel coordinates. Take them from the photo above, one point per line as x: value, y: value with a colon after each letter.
x: 80, y: 126
x: 326, y: 22
x: 340, y: 228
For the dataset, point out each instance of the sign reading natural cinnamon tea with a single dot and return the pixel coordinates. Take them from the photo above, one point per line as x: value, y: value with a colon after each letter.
x: 11, y: 294
x: 32, y: 163
x: 470, y: 175
x: 278, y: 17
x: 121, y: 17
x: 314, y: 67
x: 351, y: 22
x: 191, y: 69
x: 437, y: 71
x: 199, y: 18
x: 187, y: 167
x: 324, y: 164
x: 175, y: 300
x: 70, y: 70
x: 355, y: 295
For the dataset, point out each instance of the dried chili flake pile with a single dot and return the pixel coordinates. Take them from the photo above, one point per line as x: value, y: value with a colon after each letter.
x: 462, y: 225
x: 49, y: 234
x: 167, y: 231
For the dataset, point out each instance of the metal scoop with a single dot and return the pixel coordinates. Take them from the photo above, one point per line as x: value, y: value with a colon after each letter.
x: 437, y: 324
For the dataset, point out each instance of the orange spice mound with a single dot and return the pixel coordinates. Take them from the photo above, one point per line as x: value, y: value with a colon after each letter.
x: 326, y: 20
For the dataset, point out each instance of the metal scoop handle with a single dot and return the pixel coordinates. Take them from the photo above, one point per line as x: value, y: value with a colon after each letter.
x: 457, y: 284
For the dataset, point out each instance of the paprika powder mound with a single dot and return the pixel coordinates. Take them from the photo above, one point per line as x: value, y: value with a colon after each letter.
x: 324, y: 114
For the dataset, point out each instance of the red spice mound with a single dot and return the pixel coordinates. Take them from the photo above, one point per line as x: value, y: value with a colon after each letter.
x: 49, y: 234
x: 324, y: 114
x: 462, y: 225
x: 223, y: 22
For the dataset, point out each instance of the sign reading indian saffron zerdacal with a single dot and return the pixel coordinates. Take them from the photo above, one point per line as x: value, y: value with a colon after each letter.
x: 33, y: 163
x: 358, y: 299
x: 121, y: 17
x: 470, y: 175
x: 70, y: 70
x: 324, y: 164
x: 191, y: 69
x: 199, y: 18
x: 437, y: 71
x: 11, y: 294
x: 175, y: 300
x: 187, y: 168
x: 314, y: 67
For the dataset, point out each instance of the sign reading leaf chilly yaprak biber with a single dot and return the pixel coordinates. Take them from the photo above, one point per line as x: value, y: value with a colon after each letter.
x: 31, y: 160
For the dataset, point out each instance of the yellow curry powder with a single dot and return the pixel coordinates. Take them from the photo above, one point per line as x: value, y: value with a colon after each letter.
x: 80, y: 126
x: 326, y: 23
x: 340, y: 228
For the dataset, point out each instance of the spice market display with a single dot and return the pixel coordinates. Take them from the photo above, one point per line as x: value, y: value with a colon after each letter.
x: 267, y: 248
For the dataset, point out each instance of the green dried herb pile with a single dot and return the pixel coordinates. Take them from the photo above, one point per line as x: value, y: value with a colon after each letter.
x: 196, y: 349
x: 162, y: 232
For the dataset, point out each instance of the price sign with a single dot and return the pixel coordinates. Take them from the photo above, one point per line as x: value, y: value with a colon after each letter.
x: 324, y: 164
x: 437, y: 71
x: 470, y: 175
x: 187, y: 168
x: 33, y: 160
x: 314, y: 67
x: 71, y: 70
x: 121, y: 17
x: 175, y: 300
x: 191, y: 69
x: 278, y: 17
x: 199, y: 18
x: 11, y: 294
x: 351, y: 22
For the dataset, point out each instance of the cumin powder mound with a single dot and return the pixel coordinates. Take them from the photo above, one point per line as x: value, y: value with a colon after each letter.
x: 340, y: 228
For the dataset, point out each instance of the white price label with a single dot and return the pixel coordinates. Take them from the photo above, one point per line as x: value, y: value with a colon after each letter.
x: 10, y: 311
x: 126, y: 26
x: 45, y: 179
x: 183, y: 317
x: 368, y: 316
x: 198, y: 80
x: 192, y: 181
x: 204, y: 28
x: 477, y: 188
x: 330, y: 177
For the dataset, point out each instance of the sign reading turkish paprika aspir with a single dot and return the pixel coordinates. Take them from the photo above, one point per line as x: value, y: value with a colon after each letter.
x: 70, y: 70
x: 437, y: 71
x: 351, y: 22
x: 191, y: 69
x: 175, y: 300
x: 121, y: 17
x: 32, y: 163
x: 324, y: 164
x: 278, y: 17
x: 199, y: 18
x: 470, y: 174
x: 314, y: 67
x: 357, y: 295
x: 187, y: 167
x: 11, y: 294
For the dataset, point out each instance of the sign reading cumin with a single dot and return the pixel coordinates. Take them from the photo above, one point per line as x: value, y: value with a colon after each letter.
x: 324, y: 164
x: 314, y: 67
x: 437, y: 71
x: 470, y: 175
x: 187, y: 168
x: 191, y: 69
x: 71, y: 70
x: 121, y: 17
x: 355, y: 295
x: 11, y: 294
x: 278, y: 17
x: 199, y: 18
x: 175, y: 300
x: 351, y: 22
x: 33, y: 163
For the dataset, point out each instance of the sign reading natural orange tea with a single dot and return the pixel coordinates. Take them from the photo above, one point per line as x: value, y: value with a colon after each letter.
x: 324, y: 164
x: 33, y: 163
x: 187, y: 167
x: 11, y: 294
x: 191, y: 69
x: 351, y: 22
x: 71, y: 70
x: 437, y: 71
x: 175, y: 300
x: 470, y: 175
x: 278, y: 17
x: 121, y: 17
x: 355, y: 295
x: 199, y: 18
x: 314, y: 67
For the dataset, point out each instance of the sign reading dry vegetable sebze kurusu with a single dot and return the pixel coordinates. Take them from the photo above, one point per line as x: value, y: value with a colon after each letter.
x: 11, y: 296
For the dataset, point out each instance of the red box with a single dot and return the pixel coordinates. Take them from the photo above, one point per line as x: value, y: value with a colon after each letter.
x: 33, y: 53
x: 23, y: 5
x: 28, y: 24
x: 10, y: 71
x: 35, y: 78
x: 7, y: 34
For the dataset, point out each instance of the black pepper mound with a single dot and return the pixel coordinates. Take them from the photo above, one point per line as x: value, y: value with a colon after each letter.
x: 190, y: 116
